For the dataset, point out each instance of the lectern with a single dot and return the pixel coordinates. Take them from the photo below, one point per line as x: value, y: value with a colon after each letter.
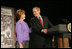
x: 63, y: 41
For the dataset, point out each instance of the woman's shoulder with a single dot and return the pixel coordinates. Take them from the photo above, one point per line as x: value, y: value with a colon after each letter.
x: 19, y: 22
x: 25, y: 23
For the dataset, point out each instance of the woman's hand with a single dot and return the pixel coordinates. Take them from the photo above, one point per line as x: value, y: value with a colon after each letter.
x: 21, y: 46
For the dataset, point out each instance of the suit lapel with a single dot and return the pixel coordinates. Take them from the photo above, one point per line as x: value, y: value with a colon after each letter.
x: 43, y: 21
x: 38, y: 22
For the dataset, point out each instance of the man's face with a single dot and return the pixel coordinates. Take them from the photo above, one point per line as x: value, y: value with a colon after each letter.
x: 36, y: 13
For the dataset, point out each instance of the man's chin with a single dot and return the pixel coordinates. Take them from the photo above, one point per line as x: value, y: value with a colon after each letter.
x: 35, y: 16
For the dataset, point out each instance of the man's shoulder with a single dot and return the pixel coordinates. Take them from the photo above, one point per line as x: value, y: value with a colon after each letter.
x: 33, y: 18
x: 44, y: 17
x: 18, y: 23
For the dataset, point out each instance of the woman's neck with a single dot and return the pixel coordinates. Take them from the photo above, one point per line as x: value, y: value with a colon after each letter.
x: 21, y: 19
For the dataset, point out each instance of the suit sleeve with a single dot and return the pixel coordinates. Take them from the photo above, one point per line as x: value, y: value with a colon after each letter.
x: 49, y: 24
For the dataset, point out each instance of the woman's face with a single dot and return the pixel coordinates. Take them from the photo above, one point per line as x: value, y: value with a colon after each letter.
x: 23, y: 16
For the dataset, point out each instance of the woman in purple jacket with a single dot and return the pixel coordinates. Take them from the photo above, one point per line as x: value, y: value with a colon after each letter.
x: 22, y: 30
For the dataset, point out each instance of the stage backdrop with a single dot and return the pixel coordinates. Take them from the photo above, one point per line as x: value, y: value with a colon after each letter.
x: 7, y: 27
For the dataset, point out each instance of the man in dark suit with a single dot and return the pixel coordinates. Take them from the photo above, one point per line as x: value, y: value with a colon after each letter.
x: 40, y: 38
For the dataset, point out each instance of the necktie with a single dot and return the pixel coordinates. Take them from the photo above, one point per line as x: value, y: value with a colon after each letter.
x: 41, y: 21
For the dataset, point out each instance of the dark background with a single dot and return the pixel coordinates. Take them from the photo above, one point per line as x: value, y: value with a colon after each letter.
x: 58, y: 12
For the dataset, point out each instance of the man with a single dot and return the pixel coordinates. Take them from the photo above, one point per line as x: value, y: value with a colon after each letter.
x: 40, y: 38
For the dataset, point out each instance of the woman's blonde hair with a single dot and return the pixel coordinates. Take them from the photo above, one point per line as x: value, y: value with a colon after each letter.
x: 19, y: 12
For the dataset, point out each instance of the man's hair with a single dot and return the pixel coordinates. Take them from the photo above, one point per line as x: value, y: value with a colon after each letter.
x: 38, y: 8
x: 19, y: 12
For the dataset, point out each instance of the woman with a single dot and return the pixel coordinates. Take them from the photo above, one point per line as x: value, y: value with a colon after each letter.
x: 22, y: 30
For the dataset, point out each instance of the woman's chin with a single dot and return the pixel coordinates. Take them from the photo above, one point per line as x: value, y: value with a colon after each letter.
x: 24, y: 18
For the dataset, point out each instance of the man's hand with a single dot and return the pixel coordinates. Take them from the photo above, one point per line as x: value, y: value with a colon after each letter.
x: 44, y: 31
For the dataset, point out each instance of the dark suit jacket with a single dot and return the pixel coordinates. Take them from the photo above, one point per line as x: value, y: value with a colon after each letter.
x: 37, y: 37
x: 36, y: 25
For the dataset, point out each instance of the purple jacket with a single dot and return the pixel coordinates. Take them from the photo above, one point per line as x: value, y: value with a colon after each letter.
x: 22, y: 31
